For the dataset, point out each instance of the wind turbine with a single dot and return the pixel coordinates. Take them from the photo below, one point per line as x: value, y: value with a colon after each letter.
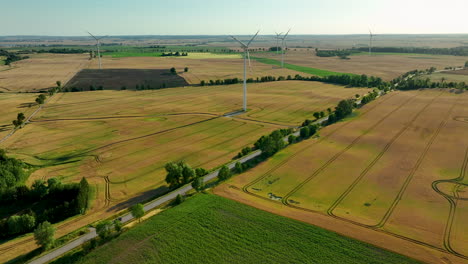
x: 245, y: 47
x: 370, y: 42
x: 277, y: 41
x: 98, y: 43
x: 283, y: 44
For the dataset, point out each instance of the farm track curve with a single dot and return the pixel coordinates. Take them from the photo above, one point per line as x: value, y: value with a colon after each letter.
x: 453, y: 201
x: 415, y: 241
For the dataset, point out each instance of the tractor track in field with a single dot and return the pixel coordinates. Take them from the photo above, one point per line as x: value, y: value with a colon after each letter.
x: 375, y: 160
x: 182, y: 158
x: 120, y: 117
x: 264, y: 175
x: 415, y: 241
x: 285, y: 201
x: 463, y: 119
x: 453, y: 201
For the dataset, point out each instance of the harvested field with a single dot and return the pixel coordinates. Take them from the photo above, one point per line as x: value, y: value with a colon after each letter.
x: 449, y: 76
x: 387, y: 67
x: 120, y: 140
x: 199, y: 69
x: 116, y: 79
x: 41, y: 71
x: 397, y: 170
x: 12, y: 104
x: 230, y: 232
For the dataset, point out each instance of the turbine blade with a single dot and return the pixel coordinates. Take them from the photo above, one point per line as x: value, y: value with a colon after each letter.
x: 103, y: 37
x: 253, y: 38
x: 234, y: 38
x: 92, y: 35
x: 248, y: 57
x: 286, y: 34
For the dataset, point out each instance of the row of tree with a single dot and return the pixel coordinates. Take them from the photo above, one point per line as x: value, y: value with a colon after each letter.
x: 180, y: 173
x: 13, y: 172
x: 457, y: 51
x: 174, y: 54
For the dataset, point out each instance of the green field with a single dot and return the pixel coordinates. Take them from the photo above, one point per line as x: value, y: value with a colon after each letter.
x: 211, y: 229
x: 122, y: 54
x: 313, y: 71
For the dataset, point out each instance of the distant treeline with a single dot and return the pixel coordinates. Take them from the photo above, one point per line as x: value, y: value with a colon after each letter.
x: 62, y: 51
x: 344, y: 53
x: 175, y: 54
x: 457, y: 51
x: 346, y: 80
x: 412, y: 80
x: 11, y: 57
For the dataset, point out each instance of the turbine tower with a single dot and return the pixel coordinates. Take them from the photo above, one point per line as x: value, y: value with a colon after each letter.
x: 370, y: 42
x: 283, y: 44
x: 98, y: 43
x: 245, y: 47
x: 278, y: 37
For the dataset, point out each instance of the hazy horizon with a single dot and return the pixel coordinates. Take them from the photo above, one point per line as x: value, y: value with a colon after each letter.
x: 217, y: 18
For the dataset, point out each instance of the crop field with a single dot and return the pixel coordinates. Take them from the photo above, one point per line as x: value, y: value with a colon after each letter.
x: 41, y: 72
x: 231, y: 232
x: 449, y: 76
x: 385, y: 66
x: 12, y: 104
x: 120, y: 140
x: 199, y: 69
x: 395, y: 176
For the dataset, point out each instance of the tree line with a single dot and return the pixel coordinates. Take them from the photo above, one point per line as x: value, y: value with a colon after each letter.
x: 174, y: 54
x: 11, y: 56
x: 342, y: 53
x: 457, y: 51
x: 343, y: 79
x: 413, y: 80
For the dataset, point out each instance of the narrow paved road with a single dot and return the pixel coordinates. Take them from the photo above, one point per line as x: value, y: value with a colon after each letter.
x: 153, y: 204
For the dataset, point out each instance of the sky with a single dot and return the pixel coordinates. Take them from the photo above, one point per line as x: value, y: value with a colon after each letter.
x: 223, y: 17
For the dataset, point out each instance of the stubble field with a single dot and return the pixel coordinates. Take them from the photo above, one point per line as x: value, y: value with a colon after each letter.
x: 393, y: 176
x: 385, y: 66
x: 41, y: 71
x: 120, y: 140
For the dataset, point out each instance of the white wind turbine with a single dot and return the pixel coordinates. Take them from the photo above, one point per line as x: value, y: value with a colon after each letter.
x: 245, y: 47
x: 278, y: 37
x: 371, y: 36
x: 283, y: 44
x: 98, y: 44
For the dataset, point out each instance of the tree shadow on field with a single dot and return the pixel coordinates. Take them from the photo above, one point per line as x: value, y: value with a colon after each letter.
x: 130, y: 79
x: 141, y: 198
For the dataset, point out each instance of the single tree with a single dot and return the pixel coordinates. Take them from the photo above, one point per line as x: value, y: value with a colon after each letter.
x: 357, y: 96
x: 304, y: 132
x: 224, y: 173
x: 198, y: 184
x: 173, y: 70
x: 291, y: 139
x: 317, y: 115
x: 44, y: 235
x: 179, y: 199
x: 103, y: 229
x: 186, y: 69
x: 322, y: 114
x: 59, y: 84
x: 137, y: 211
x: 117, y: 225
x: 239, y: 167
x: 83, y: 196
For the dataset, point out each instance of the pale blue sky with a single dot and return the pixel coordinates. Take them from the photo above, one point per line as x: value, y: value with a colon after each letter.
x: 221, y: 17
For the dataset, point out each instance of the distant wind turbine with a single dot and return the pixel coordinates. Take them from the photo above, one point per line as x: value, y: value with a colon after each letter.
x: 283, y: 44
x: 98, y: 44
x: 371, y: 36
x: 278, y: 37
x: 245, y: 47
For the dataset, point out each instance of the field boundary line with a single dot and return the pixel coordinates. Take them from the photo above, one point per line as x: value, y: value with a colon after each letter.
x: 337, y: 155
x: 374, y: 161
x: 264, y: 175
